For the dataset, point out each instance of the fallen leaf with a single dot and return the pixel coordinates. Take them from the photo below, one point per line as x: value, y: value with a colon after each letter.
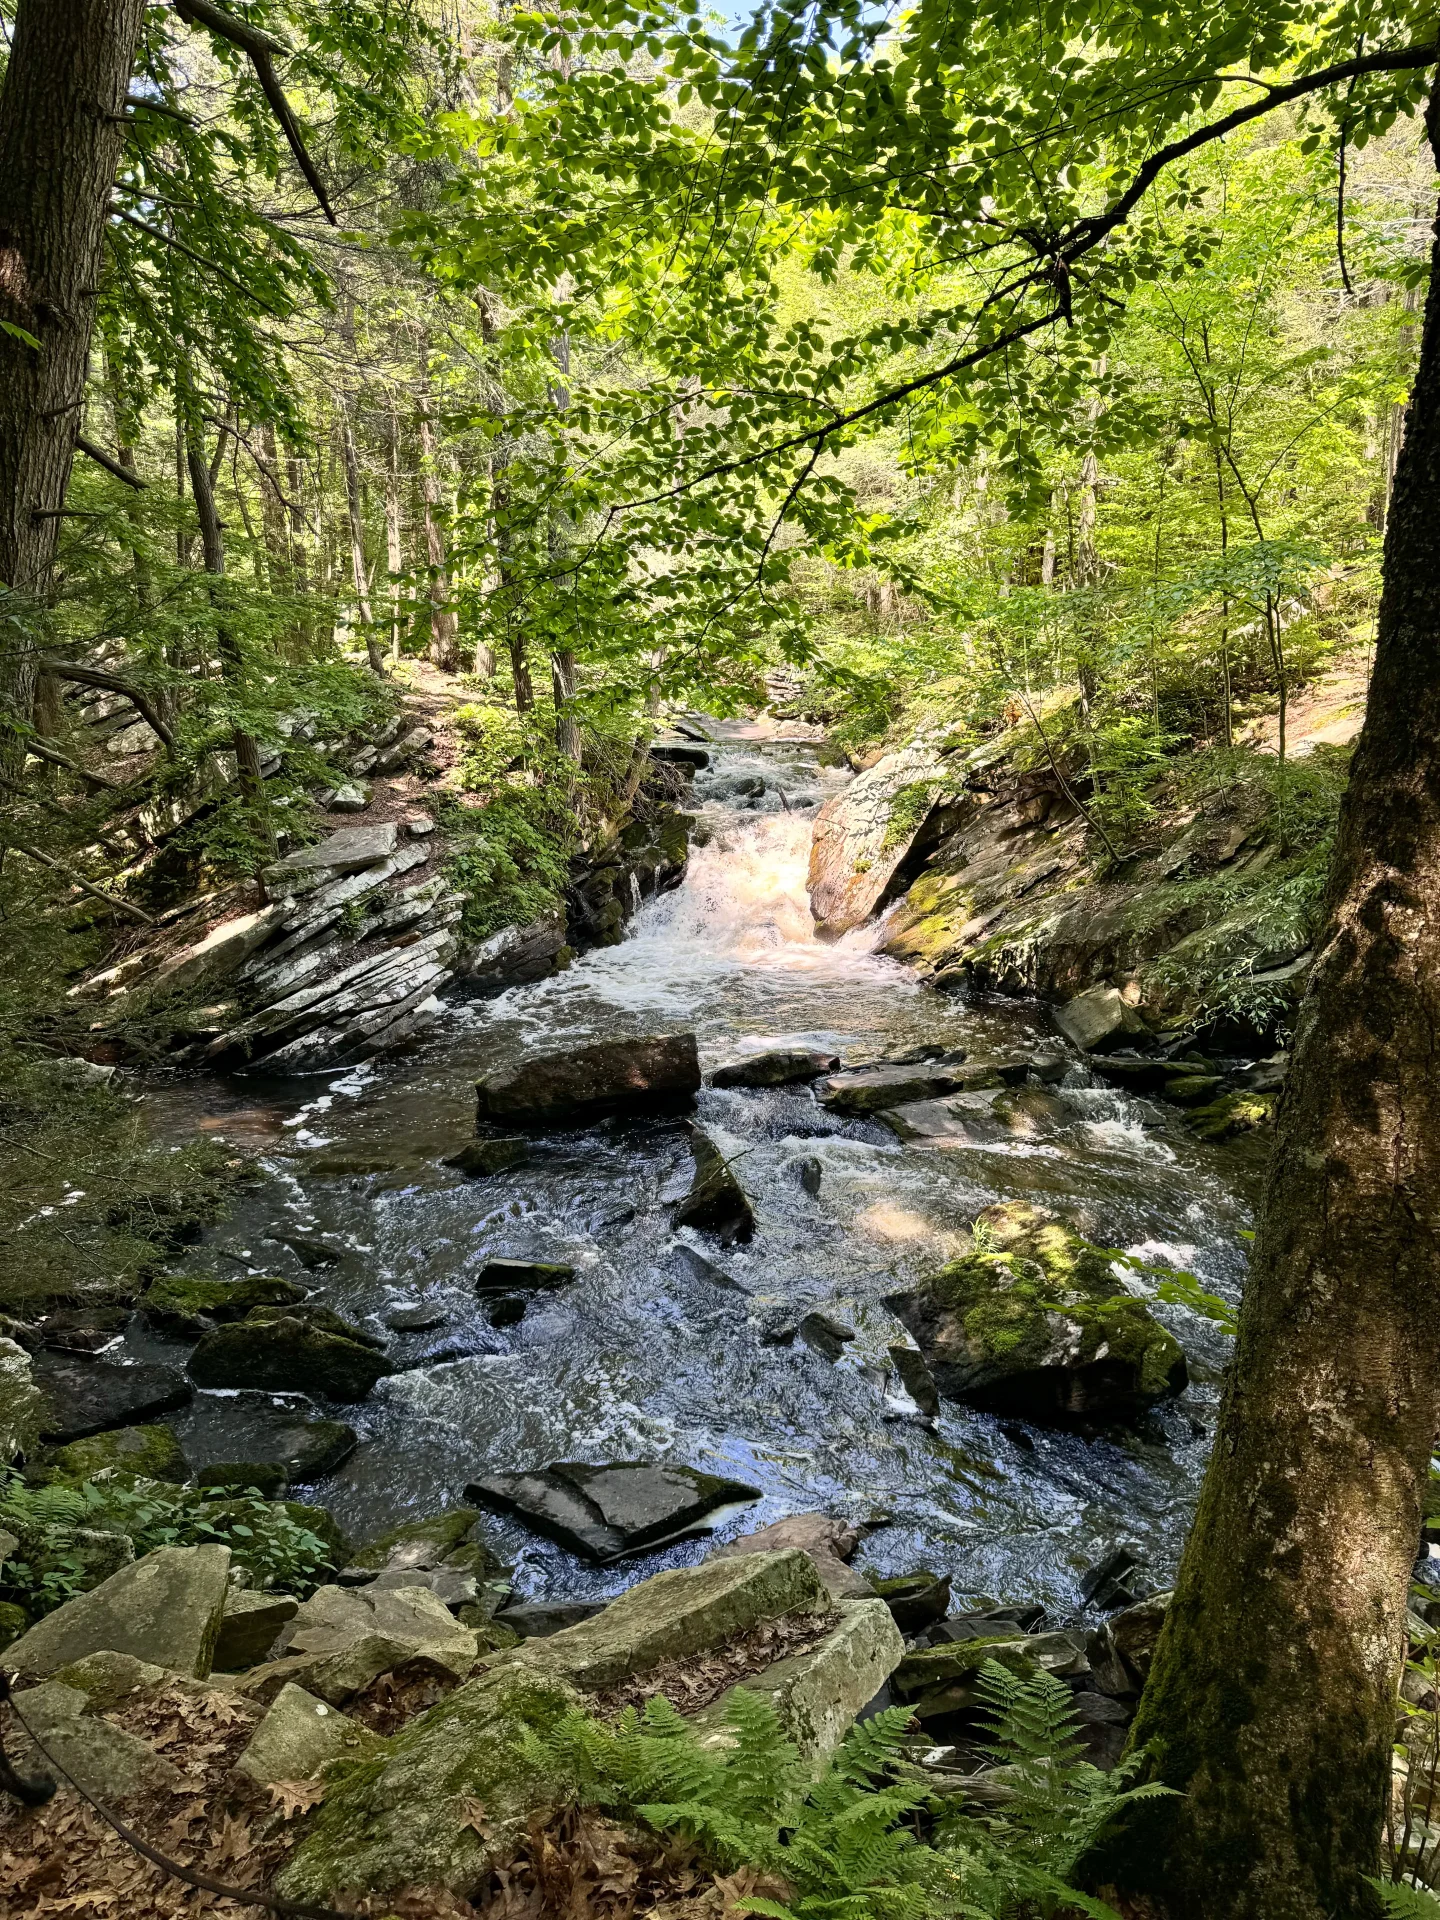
x: 296, y: 1796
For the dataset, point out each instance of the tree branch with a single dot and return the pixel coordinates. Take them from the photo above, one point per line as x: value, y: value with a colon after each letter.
x: 87, y: 676
x: 42, y: 750
x: 103, y: 459
x: 261, y: 50
x: 210, y: 266
x: 85, y: 886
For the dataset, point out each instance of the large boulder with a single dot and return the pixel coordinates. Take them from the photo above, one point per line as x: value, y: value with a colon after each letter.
x: 248, y: 1630
x: 438, y: 1803
x: 334, y: 1618
x: 872, y: 1089
x: 606, y: 1512
x: 1031, y: 1323
x: 300, y: 1737
x: 21, y: 1405
x: 1099, y: 1019
x: 166, y: 1609
x: 100, y: 1758
x: 716, y: 1202
x: 864, y: 835
x: 82, y: 1395
x: 287, y: 1354
x: 415, y: 1544
x: 677, y: 1613
x: 180, y: 1303
x: 611, y: 1076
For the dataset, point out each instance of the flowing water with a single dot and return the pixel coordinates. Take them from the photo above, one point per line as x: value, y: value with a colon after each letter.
x: 643, y: 1355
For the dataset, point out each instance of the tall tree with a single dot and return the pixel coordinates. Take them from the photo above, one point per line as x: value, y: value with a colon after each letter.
x: 62, y: 121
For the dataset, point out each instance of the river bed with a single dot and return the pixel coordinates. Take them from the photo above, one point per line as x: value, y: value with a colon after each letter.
x: 644, y: 1357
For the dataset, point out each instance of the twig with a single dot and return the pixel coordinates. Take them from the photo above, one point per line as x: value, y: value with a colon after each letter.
x: 85, y: 886
x: 1070, y: 793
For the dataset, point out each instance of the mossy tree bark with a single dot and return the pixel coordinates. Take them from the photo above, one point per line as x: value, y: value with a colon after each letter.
x: 62, y: 119
x: 1271, y: 1702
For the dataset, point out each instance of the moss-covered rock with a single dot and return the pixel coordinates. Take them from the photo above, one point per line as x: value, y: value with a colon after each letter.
x: 13, y: 1622
x: 151, y: 1452
x: 287, y: 1355
x: 265, y: 1477
x: 409, y: 1815
x: 183, y: 1303
x: 1031, y: 1323
x: 1232, y: 1114
x: 422, y: 1543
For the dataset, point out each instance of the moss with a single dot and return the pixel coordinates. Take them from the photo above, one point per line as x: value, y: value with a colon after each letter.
x: 151, y: 1452
x: 1232, y: 1114
x: 13, y: 1622
x: 177, y: 1302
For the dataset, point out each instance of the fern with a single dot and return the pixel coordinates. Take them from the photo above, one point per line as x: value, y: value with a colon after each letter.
x: 1401, y: 1902
x: 847, y: 1845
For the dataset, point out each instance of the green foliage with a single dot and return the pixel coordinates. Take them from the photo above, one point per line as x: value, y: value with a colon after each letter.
x: 1412, y: 1809
x: 263, y: 1537
x: 1401, y: 1902
x: 865, y: 1839
x: 908, y: 809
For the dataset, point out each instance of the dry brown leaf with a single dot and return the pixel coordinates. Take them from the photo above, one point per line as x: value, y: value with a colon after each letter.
x: 475, y: 1818
x: 296, y: 1796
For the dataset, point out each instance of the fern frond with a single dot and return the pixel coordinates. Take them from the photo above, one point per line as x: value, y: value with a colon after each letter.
x: 1400, y: 1902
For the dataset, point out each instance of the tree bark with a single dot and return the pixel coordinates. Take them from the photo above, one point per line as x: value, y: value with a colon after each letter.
x: 1271, y: 1702
x: 61, y: 124
x: 443, y: 624
x: 562, y: 682
x: 373, y: 651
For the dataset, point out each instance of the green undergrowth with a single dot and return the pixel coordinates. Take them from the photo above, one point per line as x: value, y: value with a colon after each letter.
x: 90, y: 1204
x: 276, y: 1542
x: 868, y: 1839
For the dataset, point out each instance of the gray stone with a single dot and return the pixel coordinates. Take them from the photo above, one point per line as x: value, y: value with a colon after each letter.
x: 684, y: 1611
x: 606, y: 1512
x: 336, y: 1618
x: 21, y: 1404
x: 915, y: 1376
x: 349, y: 851
x: 419, y: 826
x: 299, y: 1737
x: 819, y: 1695
x: 108, y: 1678
x: 480, y: 1157
x: 870, y: 1089
x: 338, y: 1677
x: 82, y: 1395
x: 452, y: 1586
x: 824, y: 1334
x: 102, y: 1759
x: 151, y: 1452
x: 166, y: 1609
x: 517, y: 954
x: 353, y: 796
x: 1098, y: 1020
x: 716, y: 1202
x: 427, y: 1542
x: 411, y: 1821
x: 778, y: 1067
x: 860, y: 841
x: 217, y: 954
x: 511, y: 1276
x: 538, y: 1619
x: 809, y: 1172
x: 610, y: 1076
x: 312, y: 1250
x: 251, y: 1426
x: 249, y: 1628
x: 690, y: 1260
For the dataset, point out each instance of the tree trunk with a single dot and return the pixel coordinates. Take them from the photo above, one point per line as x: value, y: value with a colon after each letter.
x: 1271, y: 1703
x: 562, y: 681
x: 394, y: 552
x: 61, y: 125
x: 443, y: 625
x: 357, y: 544
x: 212, y: 539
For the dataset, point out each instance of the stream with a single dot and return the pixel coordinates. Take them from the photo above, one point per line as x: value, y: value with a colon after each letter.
x: 644, y: 1356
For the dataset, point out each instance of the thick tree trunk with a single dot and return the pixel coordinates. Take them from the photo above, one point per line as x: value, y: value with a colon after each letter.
x: 247, y: 751
x: 61, y: 124
x: 562, y: 682
x: 1271, y: 1703
x: 373, y: 652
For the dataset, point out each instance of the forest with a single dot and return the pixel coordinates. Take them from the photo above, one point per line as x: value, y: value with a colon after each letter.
x: 874, y: 536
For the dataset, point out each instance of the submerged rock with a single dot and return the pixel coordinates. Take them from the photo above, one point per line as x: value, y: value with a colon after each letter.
x: 779, y: 1067
x: 83, y: 1396
x: 611, y: 1076
x: 166, y: 1609
x: 607, y: 1512
x: 251, y: 1427
x: 287, y: 1354
x: 1031, y: 1323
x: 511, y: 1276
x: 480, y: 1157
x: 716, y: 1202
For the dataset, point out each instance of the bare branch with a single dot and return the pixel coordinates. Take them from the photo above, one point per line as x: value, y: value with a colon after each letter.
x: 87, y: 676
x: 103, y: 459
x: 85, y: 886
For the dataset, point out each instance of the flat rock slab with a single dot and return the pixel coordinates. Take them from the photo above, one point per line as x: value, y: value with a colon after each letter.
x: 334, y: 1618
x: 299, y: 1737
x: 869, y: 1089
x: 516, y: 1276
x: 101, y: 1759
x: 686, y: 1610
x: 83, y: 1396
x: 863, y: 835
x: 612, y: 1076
x: 780, y: 1067
x: 607, y: 1512
x: 350, y: 850
x: 819, y: 1695
x: 479, y: 1158
x: 166, y: 1609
